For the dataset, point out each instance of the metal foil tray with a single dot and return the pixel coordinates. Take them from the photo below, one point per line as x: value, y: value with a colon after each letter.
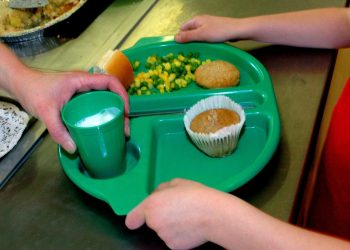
x: 41, y: 39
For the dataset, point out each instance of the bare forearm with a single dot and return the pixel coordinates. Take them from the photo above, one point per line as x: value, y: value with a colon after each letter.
x: 11, y: 70
x: 241, y: 226
x: 319, y: 28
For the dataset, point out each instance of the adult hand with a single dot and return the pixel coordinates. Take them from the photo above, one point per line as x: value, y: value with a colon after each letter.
x: 208, y: 28
x: 44, y: 94
x: 179, y: 211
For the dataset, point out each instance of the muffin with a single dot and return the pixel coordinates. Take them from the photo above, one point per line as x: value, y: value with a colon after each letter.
x: 214, y: 125
x: 217, y: 74
x: 213, y: 120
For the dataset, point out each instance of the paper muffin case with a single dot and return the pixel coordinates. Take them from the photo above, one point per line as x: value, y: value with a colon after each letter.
x: 224, y: 141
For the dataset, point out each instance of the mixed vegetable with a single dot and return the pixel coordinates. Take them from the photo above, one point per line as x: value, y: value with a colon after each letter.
x: 165, y: 73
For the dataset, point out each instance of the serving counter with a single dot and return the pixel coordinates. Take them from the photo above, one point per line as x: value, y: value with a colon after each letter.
x: 42, y: 209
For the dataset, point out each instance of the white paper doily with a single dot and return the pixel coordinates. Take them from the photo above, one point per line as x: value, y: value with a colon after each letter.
x: 12, y: 124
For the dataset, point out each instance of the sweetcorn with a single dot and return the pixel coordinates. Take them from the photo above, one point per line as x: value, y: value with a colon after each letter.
x: 165, y: 73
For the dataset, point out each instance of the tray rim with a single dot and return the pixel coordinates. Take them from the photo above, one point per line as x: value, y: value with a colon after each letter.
x: 86, y: 183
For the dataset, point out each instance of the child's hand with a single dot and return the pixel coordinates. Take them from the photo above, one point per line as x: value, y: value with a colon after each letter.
x: 208, y: 28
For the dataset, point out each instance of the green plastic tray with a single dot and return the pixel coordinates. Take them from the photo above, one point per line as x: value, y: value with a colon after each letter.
x: 159, y: 148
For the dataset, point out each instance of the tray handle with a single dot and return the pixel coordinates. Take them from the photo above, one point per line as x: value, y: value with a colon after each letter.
x: 119, y: 192
x: 153, y: 39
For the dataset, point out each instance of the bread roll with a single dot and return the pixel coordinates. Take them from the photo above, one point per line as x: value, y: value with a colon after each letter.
x: 115, y: 63
x: 217, y: 74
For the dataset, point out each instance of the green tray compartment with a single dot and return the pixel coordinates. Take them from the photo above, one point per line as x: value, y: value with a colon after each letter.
x: 253, y: 75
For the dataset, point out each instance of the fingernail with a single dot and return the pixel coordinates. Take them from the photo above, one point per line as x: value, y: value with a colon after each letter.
x: 70, y: 146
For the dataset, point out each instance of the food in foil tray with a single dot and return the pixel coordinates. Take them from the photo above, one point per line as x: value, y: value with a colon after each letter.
x: 18, y: 20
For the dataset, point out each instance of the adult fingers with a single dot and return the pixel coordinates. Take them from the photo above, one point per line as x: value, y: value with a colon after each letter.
x: 127, y: 126
x: 58, y: 131
x: 101, y: 81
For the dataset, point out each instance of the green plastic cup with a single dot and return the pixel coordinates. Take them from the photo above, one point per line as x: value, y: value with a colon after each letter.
x: 95, y: 121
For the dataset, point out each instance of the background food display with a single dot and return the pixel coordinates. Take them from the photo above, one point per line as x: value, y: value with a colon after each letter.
x: 14, y: 22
